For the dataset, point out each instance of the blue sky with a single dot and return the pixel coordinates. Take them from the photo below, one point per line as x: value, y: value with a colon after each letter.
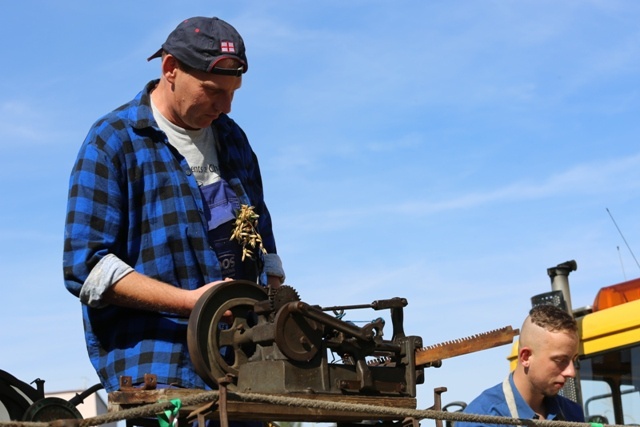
x: 444, y: 152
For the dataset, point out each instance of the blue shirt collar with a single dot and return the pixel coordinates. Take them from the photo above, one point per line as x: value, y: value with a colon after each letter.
x: 525, y: 411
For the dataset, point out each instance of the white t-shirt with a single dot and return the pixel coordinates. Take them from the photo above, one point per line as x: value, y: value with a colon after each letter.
x: 198, y: 147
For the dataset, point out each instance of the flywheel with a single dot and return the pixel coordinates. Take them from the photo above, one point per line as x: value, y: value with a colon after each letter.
x: 219, y: 326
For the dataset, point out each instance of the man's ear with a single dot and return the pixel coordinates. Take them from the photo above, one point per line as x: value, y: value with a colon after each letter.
x: 524, y: 355
x: 169, y: 67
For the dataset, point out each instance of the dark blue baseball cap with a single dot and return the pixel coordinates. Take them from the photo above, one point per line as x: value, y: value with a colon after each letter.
x: 201, y: 43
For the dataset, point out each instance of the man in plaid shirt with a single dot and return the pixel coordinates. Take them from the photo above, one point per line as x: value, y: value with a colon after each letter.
x: 152, y: 202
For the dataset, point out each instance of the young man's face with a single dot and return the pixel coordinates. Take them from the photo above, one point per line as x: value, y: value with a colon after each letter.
x: 200, y: 97
x: 551, y: 362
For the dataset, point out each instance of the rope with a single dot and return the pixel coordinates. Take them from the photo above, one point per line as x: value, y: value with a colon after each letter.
x: 404, y: 412
x: 151, y: 410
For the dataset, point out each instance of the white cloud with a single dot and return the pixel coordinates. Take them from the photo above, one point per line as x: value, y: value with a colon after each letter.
x: 20, y: 122
x: 595, y: 178
x: 24, y: 123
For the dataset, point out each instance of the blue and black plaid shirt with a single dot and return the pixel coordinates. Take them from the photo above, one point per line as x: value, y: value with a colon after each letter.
x: 132, y: 195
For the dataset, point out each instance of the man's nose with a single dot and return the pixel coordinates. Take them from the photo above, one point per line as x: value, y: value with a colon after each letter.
x: 570, y: 370
x: 223, y: 104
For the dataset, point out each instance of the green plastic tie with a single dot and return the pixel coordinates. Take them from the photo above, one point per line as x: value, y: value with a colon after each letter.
x: 169, y: 418
x: 597, y: 425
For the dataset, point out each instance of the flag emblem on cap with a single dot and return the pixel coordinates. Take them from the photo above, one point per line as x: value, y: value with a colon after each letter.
x: 227, y: 46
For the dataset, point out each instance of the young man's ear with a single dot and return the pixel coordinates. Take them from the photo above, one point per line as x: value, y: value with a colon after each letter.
x: 524, y: 355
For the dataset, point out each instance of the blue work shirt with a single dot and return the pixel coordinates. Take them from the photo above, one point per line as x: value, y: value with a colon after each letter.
x: 131, y: 194
x: 493, y: 402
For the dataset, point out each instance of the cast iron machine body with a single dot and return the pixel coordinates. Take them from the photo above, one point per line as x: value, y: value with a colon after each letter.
x: 268, y: 341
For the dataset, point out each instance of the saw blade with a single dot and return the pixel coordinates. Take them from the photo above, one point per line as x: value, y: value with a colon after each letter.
x: 458, y: 347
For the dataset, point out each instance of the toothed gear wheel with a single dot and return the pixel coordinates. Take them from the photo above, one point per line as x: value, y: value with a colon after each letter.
x: 282, y: 296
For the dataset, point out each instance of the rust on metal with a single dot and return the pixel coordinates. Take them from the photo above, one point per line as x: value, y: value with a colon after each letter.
x: 482, y: 341
x: 150, y: 382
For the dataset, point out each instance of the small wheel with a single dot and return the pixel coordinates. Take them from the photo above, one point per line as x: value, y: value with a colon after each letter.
x: 218, y: 335
x: 51, y: 409
x: 297, y: 337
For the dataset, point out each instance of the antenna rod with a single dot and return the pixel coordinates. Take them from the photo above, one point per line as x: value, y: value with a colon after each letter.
x: 625, y: 240
x: 621, y: 264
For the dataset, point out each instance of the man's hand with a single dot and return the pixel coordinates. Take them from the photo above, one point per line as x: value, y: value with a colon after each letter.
x: 136, y: 290
x: 196, y: 294
x: 274, y: 281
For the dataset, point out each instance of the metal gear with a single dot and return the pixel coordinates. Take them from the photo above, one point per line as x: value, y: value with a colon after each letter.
x: 283, y: 295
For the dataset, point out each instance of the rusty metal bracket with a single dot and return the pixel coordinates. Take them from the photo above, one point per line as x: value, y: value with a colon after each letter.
x: 437, y: 402
x: 220, y: 404
x: 222, y: 407
x: 410, y: 422
x: 201, y: 413
x: 150, y: 383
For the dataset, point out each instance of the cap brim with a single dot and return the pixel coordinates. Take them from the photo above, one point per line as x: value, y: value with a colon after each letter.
x: 213, y: 68
x: 158, y: 54
x: 228, y: 71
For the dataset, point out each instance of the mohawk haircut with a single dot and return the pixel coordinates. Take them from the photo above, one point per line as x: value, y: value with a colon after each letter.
x: 552, y: 318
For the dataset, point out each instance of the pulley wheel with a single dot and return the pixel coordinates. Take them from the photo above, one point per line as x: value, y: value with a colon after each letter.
x: 298, y: 337
x: 218, y: 335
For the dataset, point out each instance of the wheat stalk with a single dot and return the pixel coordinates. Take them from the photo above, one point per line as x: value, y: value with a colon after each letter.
x: 246, y: 233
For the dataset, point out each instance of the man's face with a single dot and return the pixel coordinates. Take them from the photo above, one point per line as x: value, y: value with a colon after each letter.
x: 551, y: 362
x: 199, y: 97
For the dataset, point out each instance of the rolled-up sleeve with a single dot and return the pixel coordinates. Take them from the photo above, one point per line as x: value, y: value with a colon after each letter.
x: 107, y: 271
x: 93, y: 212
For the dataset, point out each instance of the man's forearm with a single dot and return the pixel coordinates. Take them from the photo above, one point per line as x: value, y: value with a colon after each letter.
x: 136, y: 290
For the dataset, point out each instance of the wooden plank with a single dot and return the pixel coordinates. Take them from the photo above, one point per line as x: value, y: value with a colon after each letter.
x: 259, y: 411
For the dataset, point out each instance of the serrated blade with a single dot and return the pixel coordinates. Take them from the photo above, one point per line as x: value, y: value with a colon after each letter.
x: 482, y: 341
